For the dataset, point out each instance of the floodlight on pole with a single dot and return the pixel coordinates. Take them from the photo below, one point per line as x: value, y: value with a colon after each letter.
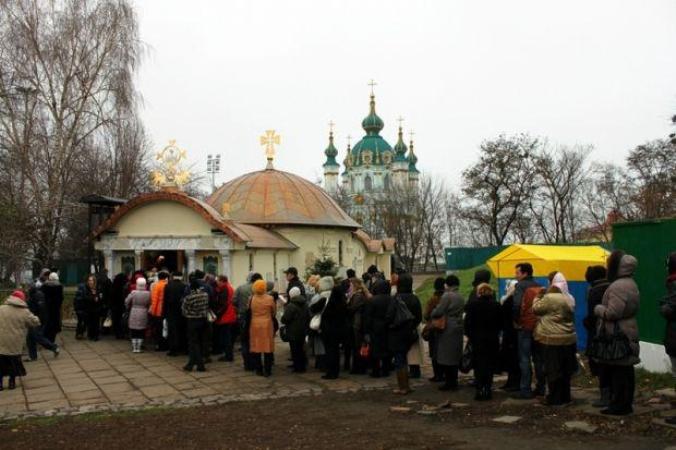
x: 213, y: 167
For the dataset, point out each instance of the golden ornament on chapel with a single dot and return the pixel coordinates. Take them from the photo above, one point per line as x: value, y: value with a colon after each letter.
x: 169, y: 172
x: 269, y: 140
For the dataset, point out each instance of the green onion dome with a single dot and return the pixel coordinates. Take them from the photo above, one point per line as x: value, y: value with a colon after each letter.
x: 400, y: 148
x: 331, y: 152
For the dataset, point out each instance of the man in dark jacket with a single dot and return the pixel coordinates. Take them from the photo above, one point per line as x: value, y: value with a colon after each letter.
x: 293, y: 281
x: 375, y: 328
x: 176, y: 325
x: 296, y: 319
x: 596, y: 277
x: 38, y: 306
x: 528, y: 350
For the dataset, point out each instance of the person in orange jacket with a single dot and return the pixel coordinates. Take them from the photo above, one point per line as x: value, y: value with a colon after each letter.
x: 156, y: 310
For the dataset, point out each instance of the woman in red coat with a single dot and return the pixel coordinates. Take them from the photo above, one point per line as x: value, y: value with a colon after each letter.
x: 226, y: 317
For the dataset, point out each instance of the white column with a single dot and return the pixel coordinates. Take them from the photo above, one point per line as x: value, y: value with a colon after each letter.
x: 225, y: 262
x: 109, y: 262
x: 137, y: 259
x: 190, y: 255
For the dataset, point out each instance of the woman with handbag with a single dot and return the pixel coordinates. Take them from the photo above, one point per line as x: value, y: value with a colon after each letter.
x: 375, y: 328
x: 261, y: 330
x: 333, y: 330
x: 447, y: 319
x: 618, y: 332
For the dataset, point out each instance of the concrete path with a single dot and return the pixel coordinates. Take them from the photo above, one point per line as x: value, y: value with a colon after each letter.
x: 93, y: 374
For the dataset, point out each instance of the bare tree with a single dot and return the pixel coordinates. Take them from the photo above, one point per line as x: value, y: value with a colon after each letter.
x: 500, y: 184
x: 652, y: 170
x: 559, y: 175
x: 67, y: 109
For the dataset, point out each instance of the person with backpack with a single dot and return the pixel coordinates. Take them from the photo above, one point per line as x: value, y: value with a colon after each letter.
x: 448, y: 316
x: 404, y: 314
x: 525, y: 292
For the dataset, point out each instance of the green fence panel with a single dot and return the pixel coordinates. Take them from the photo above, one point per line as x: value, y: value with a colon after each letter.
x: 460, y: 258
x: 650, y: 242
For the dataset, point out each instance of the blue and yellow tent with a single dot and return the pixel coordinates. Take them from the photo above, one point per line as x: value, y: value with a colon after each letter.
x: 571, y: 261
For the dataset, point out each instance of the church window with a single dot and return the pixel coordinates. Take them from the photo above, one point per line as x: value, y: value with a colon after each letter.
x: 251, y: 261
x: 368, y: 183
x: 387, y: 182
x: 340, y: 253
x: 210, y: 264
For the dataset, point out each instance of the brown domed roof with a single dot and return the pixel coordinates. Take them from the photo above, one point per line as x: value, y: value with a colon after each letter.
x: 275, y: 197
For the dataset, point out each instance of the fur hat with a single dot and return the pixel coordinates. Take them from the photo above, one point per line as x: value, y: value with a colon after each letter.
x: 484, y: 289
x: 325, y: 284
x: 259, y: 287
x: 53, y: 276
x: 294, y: 292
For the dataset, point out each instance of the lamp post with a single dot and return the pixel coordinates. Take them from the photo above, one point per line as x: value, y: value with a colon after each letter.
x: 213, y: 167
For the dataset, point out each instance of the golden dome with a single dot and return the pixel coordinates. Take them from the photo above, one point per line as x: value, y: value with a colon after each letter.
x: 274, y: 197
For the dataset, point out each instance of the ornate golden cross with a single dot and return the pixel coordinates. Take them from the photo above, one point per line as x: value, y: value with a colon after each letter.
x: 331, y: 124
x: 400, y: 120
x: 269, y: 140
x: 349, y: 139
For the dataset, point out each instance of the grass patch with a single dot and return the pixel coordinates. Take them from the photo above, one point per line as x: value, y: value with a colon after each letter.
x: 466, y: 276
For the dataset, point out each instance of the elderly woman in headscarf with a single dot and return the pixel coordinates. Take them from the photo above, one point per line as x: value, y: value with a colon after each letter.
x: 261, y: 330
x: 555, y: 331
x: 509, y: 345
x: 322, y: 288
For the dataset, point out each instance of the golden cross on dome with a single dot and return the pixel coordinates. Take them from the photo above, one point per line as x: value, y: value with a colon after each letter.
x: 411, y: 133
x: 372, y: 83
x: 169, y: 173
x: 269, y: 140
x: 331, y: 124
x: 349, y: 139
x: 400, y: 120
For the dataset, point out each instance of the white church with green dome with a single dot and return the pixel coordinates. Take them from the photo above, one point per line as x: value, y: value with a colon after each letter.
x: 371, y: 168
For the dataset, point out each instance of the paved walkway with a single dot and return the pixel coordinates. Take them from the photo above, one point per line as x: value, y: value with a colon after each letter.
x: 104, y: 375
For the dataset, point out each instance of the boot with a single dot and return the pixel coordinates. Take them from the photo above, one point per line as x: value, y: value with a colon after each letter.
x: 488, y: 393
x: 140, y: 345
x: 12, y: 383
x: 604, y: 401
x: 402, y: 382
x: 133, y: 345
x: 1, y: 387
x: 414, y: 372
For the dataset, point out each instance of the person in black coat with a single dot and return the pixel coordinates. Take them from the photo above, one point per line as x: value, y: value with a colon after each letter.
x: 53, y: 291
x: 509, y: 346
x: 174, y: 292
x: 483, y: 322
x: 334, y: 329
x: 375, y: 328
x: 596, y: 277
x: 401, y: 336
x: 293, y: 281
x: 37, y: 305
x: 118, y: 294
x: 296, y: 318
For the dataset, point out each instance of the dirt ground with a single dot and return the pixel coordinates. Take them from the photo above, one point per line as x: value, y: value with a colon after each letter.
x: 361, y: 420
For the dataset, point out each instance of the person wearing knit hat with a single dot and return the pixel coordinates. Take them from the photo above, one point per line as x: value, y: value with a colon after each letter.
x: 15, y: 322
x: 296, y: 319
x: 261, y: 329
x: 138, y: 303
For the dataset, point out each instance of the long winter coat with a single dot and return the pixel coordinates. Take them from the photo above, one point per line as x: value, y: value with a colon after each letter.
x: 261, y: 331
x: 594, y: 297
x: 401, y: 338
x: 53, y: 291
x: 15, y: 321
x: 138, y: 303
x: 432, y: 303
x: 296, y: 317
x: 557, y: 321
x: 375, y: 324
x: 483, y: 322
x: 355, y: 314
x: 620, y: 305
x: 174, y: 292
x: 668, y: 310
x: 449, y: 345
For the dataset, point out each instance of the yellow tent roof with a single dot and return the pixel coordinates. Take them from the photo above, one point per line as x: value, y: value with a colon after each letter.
x: 571, y: 260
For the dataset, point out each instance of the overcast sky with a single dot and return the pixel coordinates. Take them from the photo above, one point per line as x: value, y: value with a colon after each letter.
x: 219, y: 73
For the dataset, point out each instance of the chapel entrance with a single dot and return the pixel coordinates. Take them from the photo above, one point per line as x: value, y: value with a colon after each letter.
x: 172, y: 260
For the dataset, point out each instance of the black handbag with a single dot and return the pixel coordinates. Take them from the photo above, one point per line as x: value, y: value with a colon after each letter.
x: 284, y: 333
x: 609, y: 346
x: 466, y: 362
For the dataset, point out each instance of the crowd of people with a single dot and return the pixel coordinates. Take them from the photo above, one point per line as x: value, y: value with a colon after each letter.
x: 366, y: 325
